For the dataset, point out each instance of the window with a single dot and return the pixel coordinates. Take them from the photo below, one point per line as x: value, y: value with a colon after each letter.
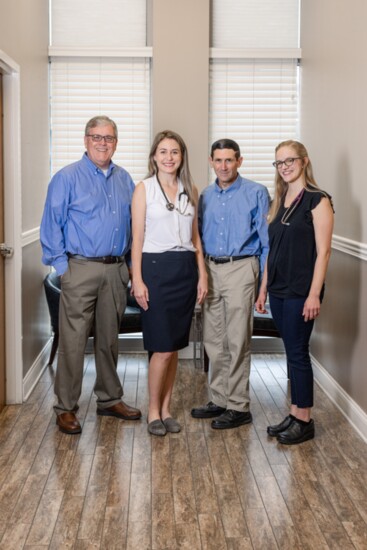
x: 254, y: 79
x: 95, y: 72
x: 118, y: 88
x: 254, y: 102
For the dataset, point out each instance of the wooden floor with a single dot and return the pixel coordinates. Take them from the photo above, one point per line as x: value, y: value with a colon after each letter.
x: 116, y: 487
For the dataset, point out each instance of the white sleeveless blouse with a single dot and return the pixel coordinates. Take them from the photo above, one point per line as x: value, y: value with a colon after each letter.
x: 167, y: 229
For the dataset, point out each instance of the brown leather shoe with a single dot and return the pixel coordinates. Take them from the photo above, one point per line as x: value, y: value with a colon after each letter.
x: 68, y: 423
x: 121, y: 410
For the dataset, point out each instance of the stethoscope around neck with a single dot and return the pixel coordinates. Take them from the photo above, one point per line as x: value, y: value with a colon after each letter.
x: 170, y: 206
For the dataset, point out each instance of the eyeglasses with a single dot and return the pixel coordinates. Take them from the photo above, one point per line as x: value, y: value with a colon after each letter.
x: 96, y: 138
x: 287, y: 162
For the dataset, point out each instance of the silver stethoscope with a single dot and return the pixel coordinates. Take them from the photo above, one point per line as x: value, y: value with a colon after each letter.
x: 170, y: 206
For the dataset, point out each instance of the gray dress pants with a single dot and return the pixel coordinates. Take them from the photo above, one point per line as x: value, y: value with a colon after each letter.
x: 91, y: 292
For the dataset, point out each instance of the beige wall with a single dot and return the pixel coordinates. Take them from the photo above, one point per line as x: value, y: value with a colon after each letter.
x: 180, y: 82
x: 333, y: 126
x: 24, y: 38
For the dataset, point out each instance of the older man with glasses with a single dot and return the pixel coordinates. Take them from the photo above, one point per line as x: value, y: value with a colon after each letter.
x: 85, y: 235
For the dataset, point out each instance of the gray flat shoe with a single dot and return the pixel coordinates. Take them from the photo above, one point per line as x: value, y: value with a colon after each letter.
x: 156, y: 427
x: 171, y: 425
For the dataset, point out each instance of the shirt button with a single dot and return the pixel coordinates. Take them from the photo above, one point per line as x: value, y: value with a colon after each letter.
x: 114, y: 212
x: 222, y: 219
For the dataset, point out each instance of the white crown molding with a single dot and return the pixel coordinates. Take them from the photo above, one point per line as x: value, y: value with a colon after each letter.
x: 31, y: 236
x: 347, y: 406
x: 353, y: 248
x: 78, y: 51
x: 255, y: 53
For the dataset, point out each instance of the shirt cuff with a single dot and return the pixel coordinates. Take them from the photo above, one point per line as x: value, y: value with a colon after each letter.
x: 61, y: 266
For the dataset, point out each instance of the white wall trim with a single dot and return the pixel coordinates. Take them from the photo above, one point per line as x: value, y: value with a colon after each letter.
x: 64, y: 51
x: 35, y: 372
x: 255, y: 53
x: 349, y: 408
x: 13, y: 228
x: 353, y: 248
x: 31, y: 236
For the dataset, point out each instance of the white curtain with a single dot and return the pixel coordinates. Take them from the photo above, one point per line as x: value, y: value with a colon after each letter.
x: 107, y: 24
x: 255, y: 23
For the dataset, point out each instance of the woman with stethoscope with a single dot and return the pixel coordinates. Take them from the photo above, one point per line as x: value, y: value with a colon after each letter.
x: 168, y: 269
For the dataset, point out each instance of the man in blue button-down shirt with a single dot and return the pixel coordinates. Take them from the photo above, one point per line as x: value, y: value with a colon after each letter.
x: 233, y: 227
x: 85, y: 234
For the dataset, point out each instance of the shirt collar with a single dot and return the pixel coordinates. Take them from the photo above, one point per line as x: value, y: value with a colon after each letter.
x: 95, y: 169
x: 233, y: 187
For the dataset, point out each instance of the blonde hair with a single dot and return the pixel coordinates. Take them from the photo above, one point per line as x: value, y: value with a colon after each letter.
x: 183, y: 172
x: 281, y: 187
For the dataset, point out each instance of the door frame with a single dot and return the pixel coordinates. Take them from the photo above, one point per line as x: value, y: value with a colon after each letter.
x: 12, y: 229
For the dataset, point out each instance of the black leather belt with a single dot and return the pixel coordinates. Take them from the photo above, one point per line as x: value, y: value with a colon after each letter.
x: 226, y: 259
x: 100, y: 259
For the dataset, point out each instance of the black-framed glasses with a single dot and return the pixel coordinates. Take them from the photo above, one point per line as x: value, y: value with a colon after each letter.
x: 96, y: 138
x: 287, y: 162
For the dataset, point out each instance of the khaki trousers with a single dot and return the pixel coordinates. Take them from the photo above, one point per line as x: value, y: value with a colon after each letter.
x: 91, y: 292
x: 228, y: 321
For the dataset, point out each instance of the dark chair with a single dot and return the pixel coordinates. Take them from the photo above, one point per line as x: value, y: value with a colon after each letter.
x: 130, y: 322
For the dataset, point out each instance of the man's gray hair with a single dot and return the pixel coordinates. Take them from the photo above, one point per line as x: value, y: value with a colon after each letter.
x: 100, y: 120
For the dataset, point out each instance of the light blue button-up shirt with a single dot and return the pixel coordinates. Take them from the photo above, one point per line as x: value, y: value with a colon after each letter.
x: 232, y: 221
x: 86, y: 213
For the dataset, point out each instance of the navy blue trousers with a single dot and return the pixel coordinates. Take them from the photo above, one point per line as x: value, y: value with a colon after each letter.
x: 295, y: 333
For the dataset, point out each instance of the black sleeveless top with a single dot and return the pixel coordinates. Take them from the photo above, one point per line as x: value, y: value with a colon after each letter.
x: 292, y: 253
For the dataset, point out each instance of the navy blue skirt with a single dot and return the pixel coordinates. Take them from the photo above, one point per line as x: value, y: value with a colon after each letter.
x: 171, y: 278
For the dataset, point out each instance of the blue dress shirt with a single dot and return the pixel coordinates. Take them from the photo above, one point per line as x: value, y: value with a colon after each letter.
x: 232, y: 221
x: 86, y: 213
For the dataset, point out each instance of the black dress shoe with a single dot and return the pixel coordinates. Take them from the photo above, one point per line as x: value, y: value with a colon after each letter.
x: 210, y: 410
x: 231, y: 419
x: 276, y: 429
x: 297, y: 433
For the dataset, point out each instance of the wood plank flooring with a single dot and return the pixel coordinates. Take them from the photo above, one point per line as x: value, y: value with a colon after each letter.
x: 116, y: 487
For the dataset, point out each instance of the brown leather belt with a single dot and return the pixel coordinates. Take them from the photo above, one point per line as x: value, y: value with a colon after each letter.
x: 100, y: 259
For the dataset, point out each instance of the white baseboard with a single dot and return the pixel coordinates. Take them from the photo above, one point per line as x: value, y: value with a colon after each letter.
x: 35, y: 372
x: 349, y: 408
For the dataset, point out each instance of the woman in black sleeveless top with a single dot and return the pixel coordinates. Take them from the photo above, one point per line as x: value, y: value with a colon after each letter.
x: 300, y: 231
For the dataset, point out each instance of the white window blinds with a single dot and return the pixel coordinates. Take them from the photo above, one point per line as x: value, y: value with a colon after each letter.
x: 254, y: 102
x: 85, y: 87
x: 255, y: 23
x: 91, y: 23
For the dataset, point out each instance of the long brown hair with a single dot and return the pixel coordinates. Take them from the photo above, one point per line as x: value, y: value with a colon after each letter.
x: 183, y: 172
x: 281, y: 187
